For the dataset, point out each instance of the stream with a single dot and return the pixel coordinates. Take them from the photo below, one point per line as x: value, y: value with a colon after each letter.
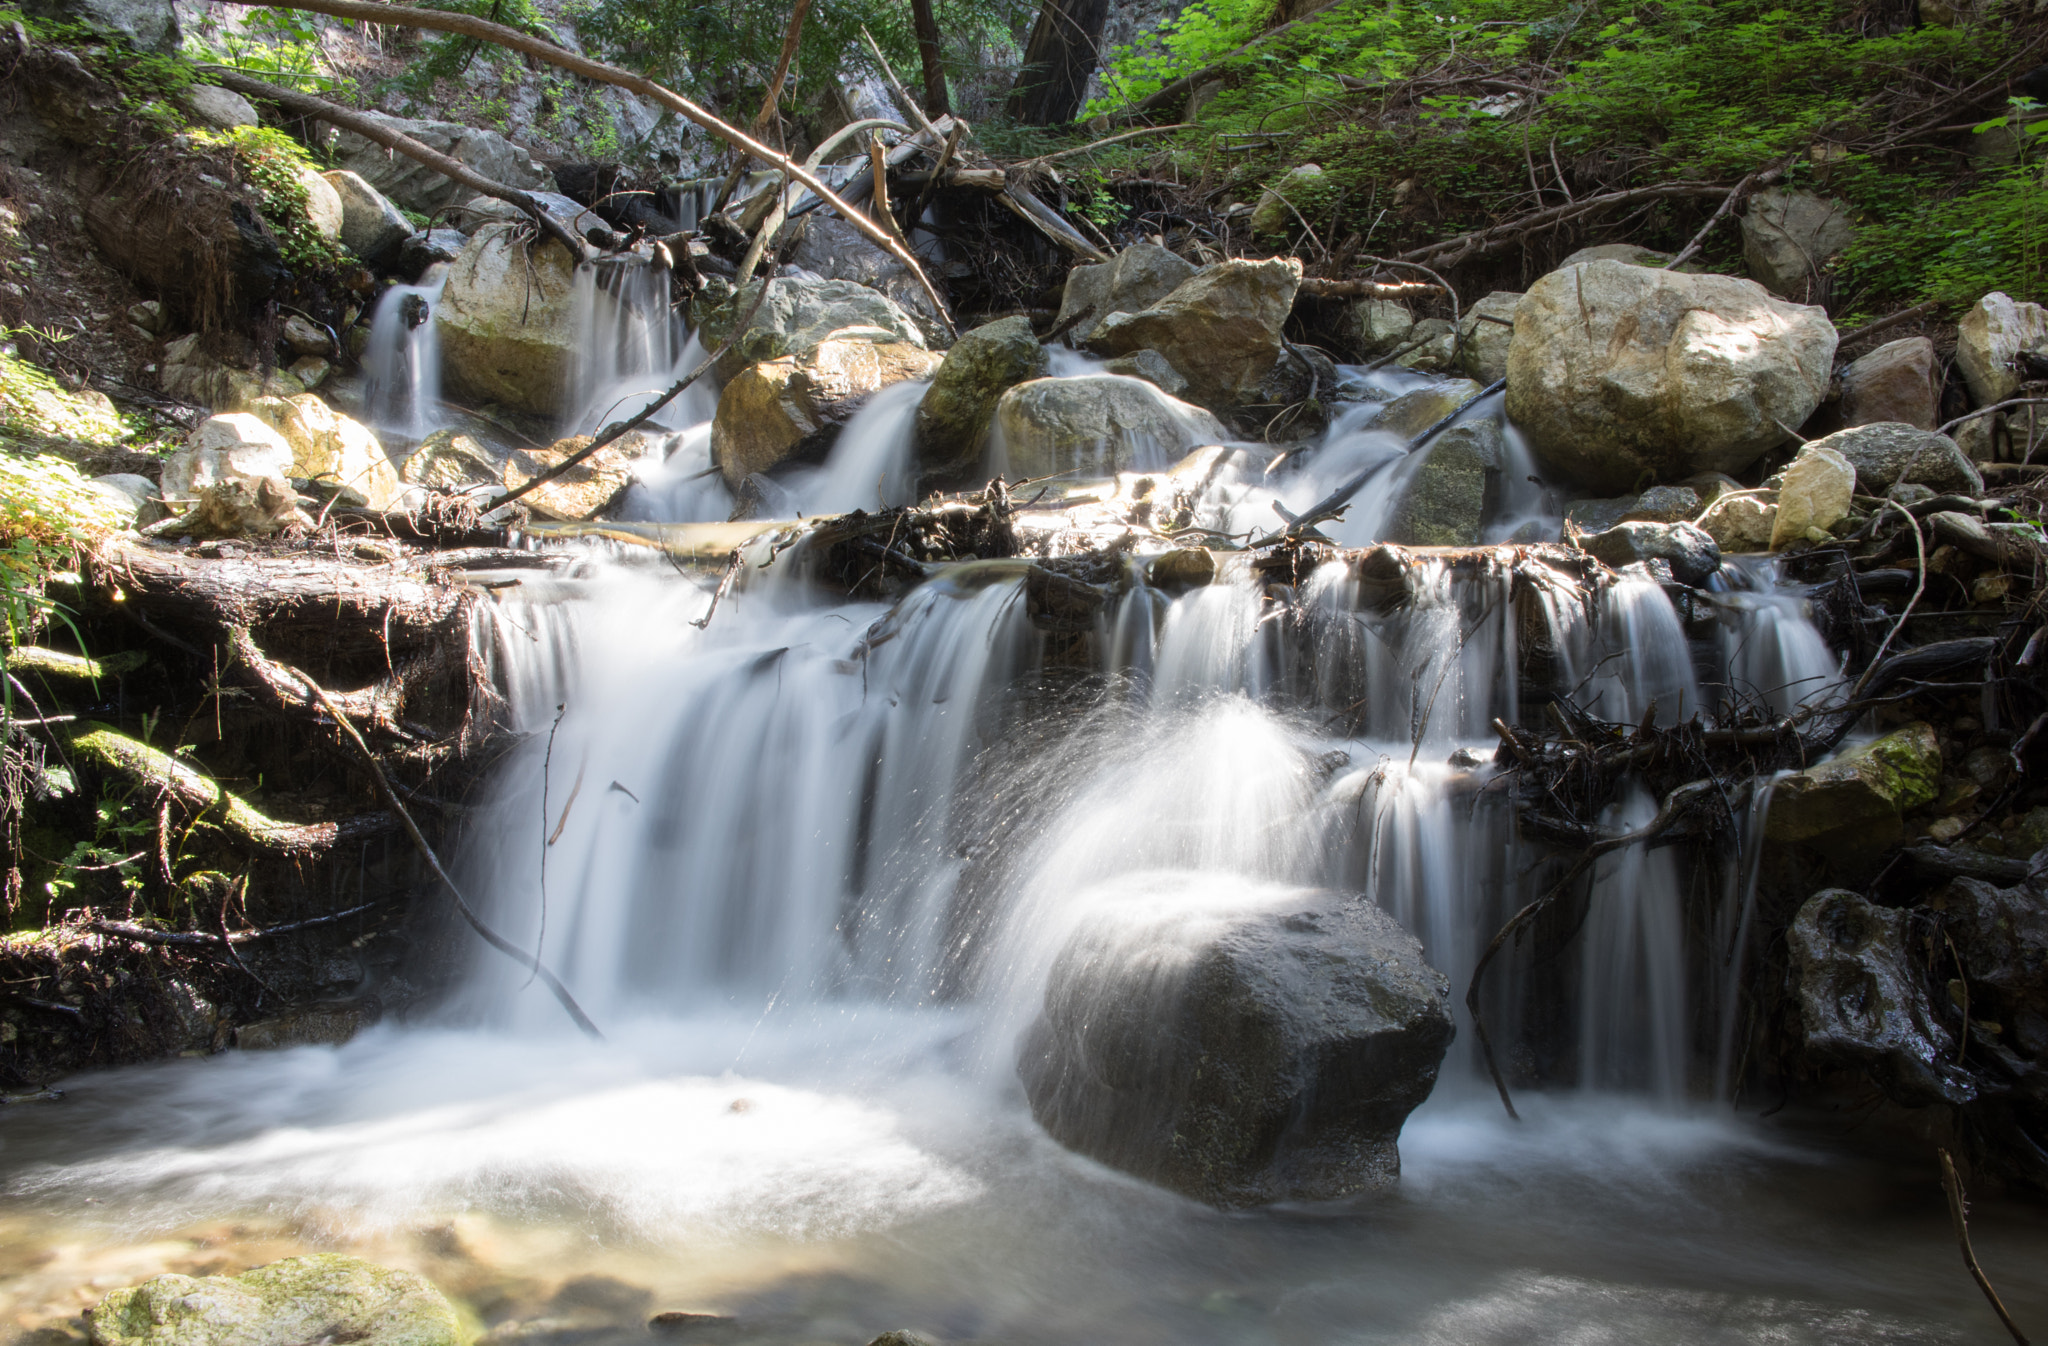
x: 809, y: 865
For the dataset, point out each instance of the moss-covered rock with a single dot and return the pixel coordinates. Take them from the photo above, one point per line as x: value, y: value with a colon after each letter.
x: 302, y: 1299
x: 959, y: 407
x: 1861, y: 794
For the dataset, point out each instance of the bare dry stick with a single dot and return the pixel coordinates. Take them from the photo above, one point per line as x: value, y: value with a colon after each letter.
x: 291, y: 100
x: 791, y: 38
x: 1986, y: 411
x: 446, y: 21
x: 1727, y: 204
x: 1953, y: 1186
x: 910, y: 105
x: 476, y: 922
x: 1451, y: 251
x: 1098, y: 144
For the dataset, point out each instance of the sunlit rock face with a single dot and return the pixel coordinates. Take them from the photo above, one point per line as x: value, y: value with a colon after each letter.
x: 1621, y: 376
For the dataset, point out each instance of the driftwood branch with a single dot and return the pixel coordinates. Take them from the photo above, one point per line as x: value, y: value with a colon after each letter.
x: 371, y: 11
x: 199, y: 939
x: 1450, y: 252
x: 306, y: 105
x: 1959, y: 1214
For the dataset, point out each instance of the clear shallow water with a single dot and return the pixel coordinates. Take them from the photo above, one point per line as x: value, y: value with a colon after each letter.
x: 829, y: 1174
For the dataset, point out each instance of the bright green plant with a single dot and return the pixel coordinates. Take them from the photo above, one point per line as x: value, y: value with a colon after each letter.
x: 278, y: 166
x: 282, y: 45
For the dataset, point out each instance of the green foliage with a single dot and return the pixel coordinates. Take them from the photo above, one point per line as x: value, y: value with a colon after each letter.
x: 450, y: 56
x: 1381, y: 92
x: 280, y: 45
x: 276, y: 163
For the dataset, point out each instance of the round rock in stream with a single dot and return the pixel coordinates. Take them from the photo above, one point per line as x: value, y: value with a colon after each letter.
x: 1239, y: 1047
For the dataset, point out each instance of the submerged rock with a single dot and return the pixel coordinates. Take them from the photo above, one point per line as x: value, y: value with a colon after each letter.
x: 1857, y: 797
x: 1237, y: 1047
x: 957, y: 410
x: 1862, y: 1004
x: 325, y: 1297
x: 1220, y: 328
x: 1444, y: 497
x: 507, y: 321
x: 771, y: 411
x: 1141, y: 276
x: 1097, y: 426
x: 1621, y: 376
x: 1788, y: 237
x: 1890, y: 452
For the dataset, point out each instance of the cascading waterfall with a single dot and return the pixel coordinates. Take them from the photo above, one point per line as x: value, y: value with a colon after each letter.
x: 403, y: 358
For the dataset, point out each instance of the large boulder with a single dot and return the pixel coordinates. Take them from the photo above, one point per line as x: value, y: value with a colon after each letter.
x: 797, y: 314
x: 1220, y: 328
x: 231, y: 447
x: 1629, y: 254
x: 1889, y: 452
x: 371, y: 227
x: 1097, y: 426
x: 957, y: 410
x: 1857, y: 797
x: 1862, y: 1002
x: 1789, y: 236
x: 1139, y: 277
x: 325, y: 1297
x: 331, y: 450
x: 1444, y: 494
x: 1484, y: 332
x: 148, y: 25
x: 1990, y: 339
x: 1899, y: 381
x: 1620, y: 375
x: 794, y: 406
x: 1241, y: 1046
x: 416, y: 187
x: 221, y: 109
x: 830, y: 247
x: 507, y: 321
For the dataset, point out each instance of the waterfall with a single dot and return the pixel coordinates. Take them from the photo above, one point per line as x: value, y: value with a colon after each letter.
x: 403, y: 358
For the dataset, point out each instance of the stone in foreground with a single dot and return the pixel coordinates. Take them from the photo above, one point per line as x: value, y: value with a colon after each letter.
x: 1239, y: 1045
x: 302, y: 1299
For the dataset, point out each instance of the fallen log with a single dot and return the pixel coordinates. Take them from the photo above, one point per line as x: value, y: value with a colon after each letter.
x: 206, y: 800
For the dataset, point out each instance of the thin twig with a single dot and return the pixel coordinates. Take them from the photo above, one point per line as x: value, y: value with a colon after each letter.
x: 1959, y: 1213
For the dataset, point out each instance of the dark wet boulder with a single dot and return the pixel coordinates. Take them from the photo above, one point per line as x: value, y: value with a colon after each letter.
x: 957, y: 410
x: 1446, y: 492
x: 1692, y: 554
x: 1238, y: 1047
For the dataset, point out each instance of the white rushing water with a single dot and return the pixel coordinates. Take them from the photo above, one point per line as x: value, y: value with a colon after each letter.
x: 808, y: 866
x: 403, y: 358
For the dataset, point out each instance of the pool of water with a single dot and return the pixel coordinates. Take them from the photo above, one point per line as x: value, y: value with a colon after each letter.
x: 823, y: 1175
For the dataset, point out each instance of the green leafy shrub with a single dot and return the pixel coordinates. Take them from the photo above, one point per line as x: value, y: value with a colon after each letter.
x: 280, y: 45
x: 276, y: 163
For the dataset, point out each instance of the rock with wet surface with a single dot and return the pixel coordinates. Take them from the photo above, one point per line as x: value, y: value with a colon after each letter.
x: 1989, y: 340
x: 1692, y: 553
x: 1484, y: 331
x: 797, y: 314
x: 1857, y: 797
x: 324, y: 1297
x: 1152, y: 367
x: 507, y: 321
x: 1889, y: 452
x: 957, y: 410
x: 1139, y: 277
x: 1444, y: 497
x: 1789, y: 237
x: 1899, y: 381
x: 1414, y: 412
x: 1863, y: 1004
x: 427, y: 247
x: 1621, y: 376
x: 1237, y: 1045
x: 1097, y: 426
x: 1220, y: 328
x: 795, y: 405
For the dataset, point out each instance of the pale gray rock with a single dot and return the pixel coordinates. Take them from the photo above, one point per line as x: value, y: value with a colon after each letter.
x: 222, y: 109
x: 1889, y: 452
x: 1484, y: 331
x: 1789, y: 237
x: 1139, y: 277
x: 416, y: 187
x: 371, y: 227
x: 1989, y: 340
x: 1097, y: 426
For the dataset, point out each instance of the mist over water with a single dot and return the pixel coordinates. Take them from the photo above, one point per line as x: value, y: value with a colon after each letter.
x: 808, y: 867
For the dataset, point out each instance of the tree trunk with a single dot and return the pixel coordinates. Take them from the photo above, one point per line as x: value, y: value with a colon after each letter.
x: 1057, y: 61
x: 935, y: 104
